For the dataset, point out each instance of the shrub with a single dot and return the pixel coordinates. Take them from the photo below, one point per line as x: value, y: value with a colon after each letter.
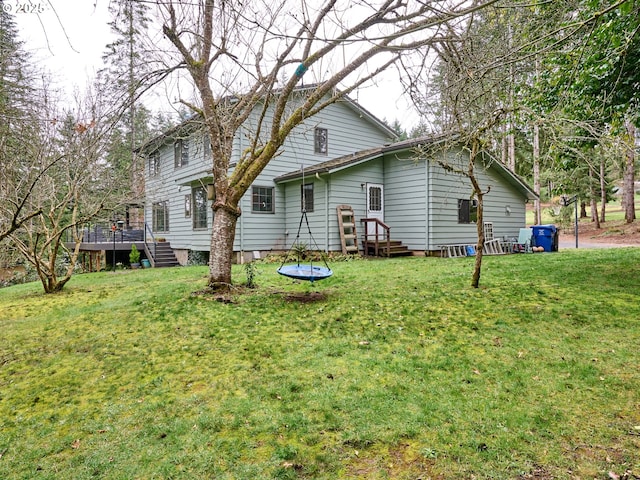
x: 134, y: 256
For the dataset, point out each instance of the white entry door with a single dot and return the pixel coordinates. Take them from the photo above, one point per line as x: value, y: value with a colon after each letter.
x: 375, y: 205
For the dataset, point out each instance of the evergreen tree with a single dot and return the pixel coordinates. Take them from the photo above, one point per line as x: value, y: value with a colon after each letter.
x: 18, y: 123
x: 125, y: 74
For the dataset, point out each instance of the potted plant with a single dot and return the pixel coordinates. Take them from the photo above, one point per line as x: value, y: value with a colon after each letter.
x: 134, y: 256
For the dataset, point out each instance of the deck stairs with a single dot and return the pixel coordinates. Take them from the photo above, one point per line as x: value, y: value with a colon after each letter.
x: 163, y: 255
x: 395, y: 248
x: 377, y: 240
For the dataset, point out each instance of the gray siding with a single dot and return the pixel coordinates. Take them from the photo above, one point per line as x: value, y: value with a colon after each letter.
x: 341, y: 188
x: 446, y: 188
x: 348, y: 187
x: 172, y: 185
x: 405, y: 191
x: 420, y: 197
x: 347, y: 133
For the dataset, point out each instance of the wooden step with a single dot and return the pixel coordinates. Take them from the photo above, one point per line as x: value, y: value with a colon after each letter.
x: 396, y: 249
x: 164, y: 256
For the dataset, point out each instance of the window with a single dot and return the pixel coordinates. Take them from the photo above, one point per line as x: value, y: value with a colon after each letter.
x: 206, y: 146
x: 467, y: 211
x: 154, y: 164
x: 375, y: 199
x: 262, y: 199
x: 199, y: 207
x: 321, y: 139
x: 306, y: 197
x: 181, y: 153
x: 187, y: 206
x: 160, y: 216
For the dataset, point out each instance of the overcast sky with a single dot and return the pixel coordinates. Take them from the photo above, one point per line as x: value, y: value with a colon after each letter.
x: 70, y: 40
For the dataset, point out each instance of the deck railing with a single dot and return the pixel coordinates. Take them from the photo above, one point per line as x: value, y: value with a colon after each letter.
x: 108, y: 232
x: 376, y: 231
x: 150, y: 243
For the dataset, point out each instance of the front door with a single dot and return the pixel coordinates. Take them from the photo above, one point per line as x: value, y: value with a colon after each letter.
x: 375, y: 206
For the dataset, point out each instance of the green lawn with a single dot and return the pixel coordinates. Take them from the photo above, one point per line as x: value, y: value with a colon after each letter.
x: 614, y: 213
x: 401, y: 371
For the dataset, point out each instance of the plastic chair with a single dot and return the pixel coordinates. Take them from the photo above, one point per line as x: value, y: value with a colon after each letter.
x: 525, y: 237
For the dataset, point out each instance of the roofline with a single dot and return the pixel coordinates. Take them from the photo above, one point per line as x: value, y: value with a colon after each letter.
x: 362, y: 157
x: 405, y: 145
x: 366, y: 113
x: 155, y: 143
x: 515, y: 178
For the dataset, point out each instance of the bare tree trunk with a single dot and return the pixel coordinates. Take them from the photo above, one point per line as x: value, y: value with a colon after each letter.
x: 594, y: 213
x: 479, y: 194
x: 477, y: 270
x: 628, y: 195
x: 505, y: 146
x: 512, y: 148
x: 583, y: 209
x: 537, y: 210
x: 603, y: 191
x: 512, y: 123
x: 220, y: 258
x: 594, y: 202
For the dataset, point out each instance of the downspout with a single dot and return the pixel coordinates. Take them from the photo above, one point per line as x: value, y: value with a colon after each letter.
x: 427, y: 183
x: 241, y: 200
x: 326, y: 212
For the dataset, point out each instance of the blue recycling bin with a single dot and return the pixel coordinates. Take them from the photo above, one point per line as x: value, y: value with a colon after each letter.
x: 546, y: 236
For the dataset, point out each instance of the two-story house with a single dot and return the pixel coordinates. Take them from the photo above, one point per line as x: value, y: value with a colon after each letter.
x: 342, y: 156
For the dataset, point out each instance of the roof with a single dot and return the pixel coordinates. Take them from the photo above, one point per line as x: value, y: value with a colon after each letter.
x: 191, y: 124
x: 346, y: 161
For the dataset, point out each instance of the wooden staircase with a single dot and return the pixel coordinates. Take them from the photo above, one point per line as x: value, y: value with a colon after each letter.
x: 394, y: 248
x: 377, y: 240
x: 163, y: 255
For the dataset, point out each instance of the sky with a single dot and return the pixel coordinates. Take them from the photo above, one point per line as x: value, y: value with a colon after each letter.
x: 68, y: 38
x: 69, y: 41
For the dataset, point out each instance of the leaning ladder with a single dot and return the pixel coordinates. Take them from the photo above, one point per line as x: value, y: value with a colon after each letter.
x: 347, y: 227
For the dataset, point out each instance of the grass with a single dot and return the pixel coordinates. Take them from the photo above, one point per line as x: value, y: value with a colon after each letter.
x: 614, y: 213
x: 392, y: 369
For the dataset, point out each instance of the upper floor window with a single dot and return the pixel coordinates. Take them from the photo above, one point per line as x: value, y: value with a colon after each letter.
x: 199, y: 208
x: 306, y: 199
x: 154, y: 164
x: 321, y: 141
x: 467, y: 211
x: 262, y: 199
x: 181, y: 153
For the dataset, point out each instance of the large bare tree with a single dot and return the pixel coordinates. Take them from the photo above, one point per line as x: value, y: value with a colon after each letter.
x: 245, y: 58
x: 464, y: 85
x: 67, y: 184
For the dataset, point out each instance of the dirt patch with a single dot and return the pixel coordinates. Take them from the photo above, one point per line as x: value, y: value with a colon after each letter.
x: 538, y: 473
x: 610, y: 233
x: 9, y: 273
x: 306, y: 297
x: 398, y: 461
x: 222, y: 295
